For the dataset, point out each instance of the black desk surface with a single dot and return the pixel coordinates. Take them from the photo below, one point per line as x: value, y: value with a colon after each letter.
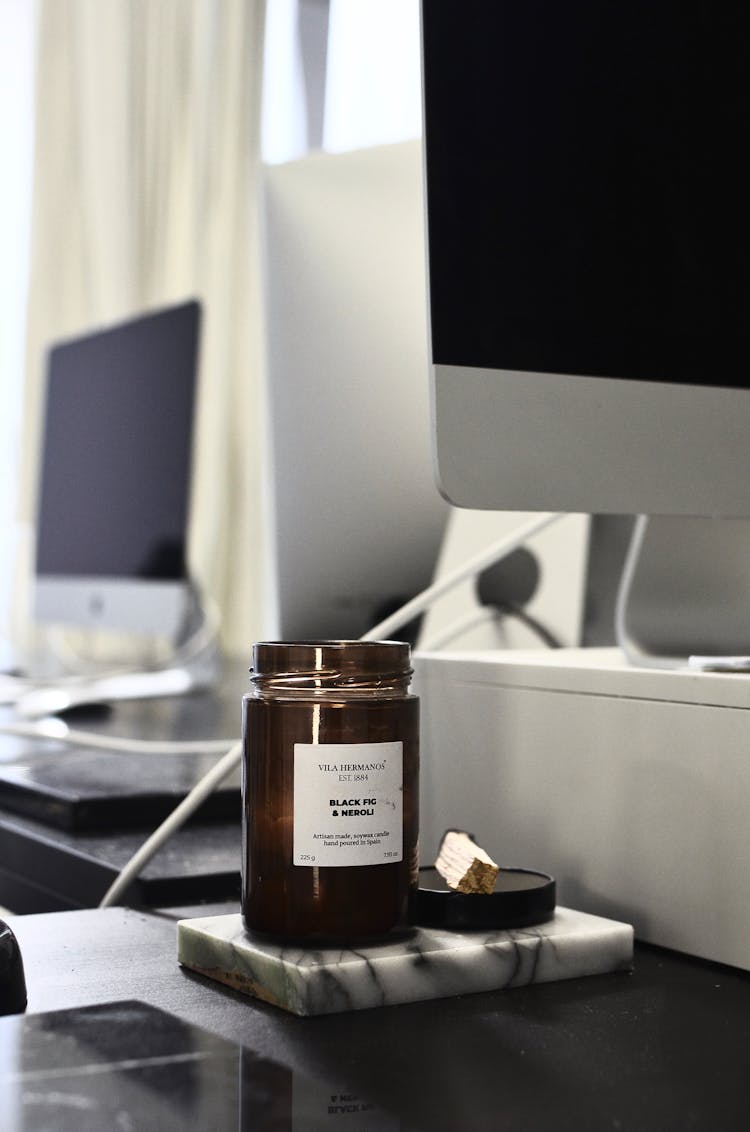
x: 664, y: 1047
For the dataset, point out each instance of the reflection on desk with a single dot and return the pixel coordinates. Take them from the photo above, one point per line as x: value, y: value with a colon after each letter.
x: 128, y: 1065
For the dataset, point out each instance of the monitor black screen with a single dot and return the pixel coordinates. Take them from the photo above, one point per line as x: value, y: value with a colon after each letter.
x: 588, y: 187
x: 116, y: 454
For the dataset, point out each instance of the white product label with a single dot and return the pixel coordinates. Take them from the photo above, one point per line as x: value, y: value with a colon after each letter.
x: 348, y: 803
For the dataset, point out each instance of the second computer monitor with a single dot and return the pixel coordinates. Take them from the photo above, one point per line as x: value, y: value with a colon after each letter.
x: 356, y: 517
x: 115, y: 475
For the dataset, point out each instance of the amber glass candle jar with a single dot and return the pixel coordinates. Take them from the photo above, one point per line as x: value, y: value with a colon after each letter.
x: 330, y: 790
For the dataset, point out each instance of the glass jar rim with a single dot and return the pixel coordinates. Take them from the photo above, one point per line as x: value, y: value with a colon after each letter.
x: 331, y: 660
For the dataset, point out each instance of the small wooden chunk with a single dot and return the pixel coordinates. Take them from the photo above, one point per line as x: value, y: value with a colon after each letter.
x: 464, y: 865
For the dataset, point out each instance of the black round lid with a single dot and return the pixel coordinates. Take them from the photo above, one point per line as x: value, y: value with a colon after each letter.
x: 521, y: 898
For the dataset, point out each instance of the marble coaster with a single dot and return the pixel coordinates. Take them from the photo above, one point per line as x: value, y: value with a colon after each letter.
x: 431, y: 963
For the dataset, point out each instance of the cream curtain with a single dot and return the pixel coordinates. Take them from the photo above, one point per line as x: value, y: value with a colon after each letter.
x: 146, y: 155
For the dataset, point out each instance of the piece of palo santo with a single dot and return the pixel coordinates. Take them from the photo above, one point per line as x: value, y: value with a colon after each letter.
x: 464, y: 865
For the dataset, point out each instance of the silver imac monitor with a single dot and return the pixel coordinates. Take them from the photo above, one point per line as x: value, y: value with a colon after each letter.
x: 356, y: 517
x: 589, y: 253
x: 114, y: 486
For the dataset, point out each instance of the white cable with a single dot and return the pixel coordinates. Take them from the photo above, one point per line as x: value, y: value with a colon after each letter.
x: 203, y: 638
x: 171, y: 824
x: 231, y: 759
x: 458, y: 627
x: 59, y: 731
x: 468, y: 569
x: 632, y: 653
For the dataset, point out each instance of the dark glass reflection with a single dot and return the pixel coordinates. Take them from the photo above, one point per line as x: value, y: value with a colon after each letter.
x: 130, y: 1065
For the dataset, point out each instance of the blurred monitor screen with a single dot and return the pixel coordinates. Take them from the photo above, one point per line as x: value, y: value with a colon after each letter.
x: 115, y: 475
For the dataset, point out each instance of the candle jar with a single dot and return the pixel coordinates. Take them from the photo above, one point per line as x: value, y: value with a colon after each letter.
x: 330, y: 789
